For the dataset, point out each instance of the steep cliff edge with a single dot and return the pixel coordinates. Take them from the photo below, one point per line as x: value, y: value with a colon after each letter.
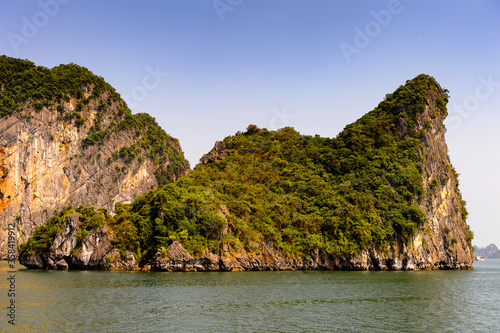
x: 381, y: 195
x: 67, y: 138
x: 444, y: 241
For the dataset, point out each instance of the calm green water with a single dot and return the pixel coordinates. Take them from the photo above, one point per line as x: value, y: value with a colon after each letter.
x: 426, y: 301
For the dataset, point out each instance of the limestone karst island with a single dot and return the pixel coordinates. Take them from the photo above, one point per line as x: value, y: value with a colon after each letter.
x: 90, y: 185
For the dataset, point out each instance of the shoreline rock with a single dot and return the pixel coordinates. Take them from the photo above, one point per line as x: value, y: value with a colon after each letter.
x: 177, y: 259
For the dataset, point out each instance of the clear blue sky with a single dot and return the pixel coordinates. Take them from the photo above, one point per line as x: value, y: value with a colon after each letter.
x: 316, y: 66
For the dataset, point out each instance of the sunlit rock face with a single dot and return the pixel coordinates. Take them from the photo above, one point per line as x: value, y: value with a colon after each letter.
x: 84, y: 149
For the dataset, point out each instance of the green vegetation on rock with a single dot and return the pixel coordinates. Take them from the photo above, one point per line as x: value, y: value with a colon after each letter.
x: 75, y: 94
x: 43, y: 237
x: 299, y: 193
x: 23, y: 82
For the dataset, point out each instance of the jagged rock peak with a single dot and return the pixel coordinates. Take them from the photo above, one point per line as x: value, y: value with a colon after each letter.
x: 218, y: 152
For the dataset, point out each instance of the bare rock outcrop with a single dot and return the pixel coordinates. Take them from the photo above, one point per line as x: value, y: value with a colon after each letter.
x: 218, y: 152
x: 68, y: 251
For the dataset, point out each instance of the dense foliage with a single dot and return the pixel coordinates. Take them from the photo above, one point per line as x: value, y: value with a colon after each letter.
x: 299, y: 193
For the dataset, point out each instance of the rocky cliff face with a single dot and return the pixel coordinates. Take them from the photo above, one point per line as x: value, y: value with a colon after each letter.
x: 82, y: 148
x: 66, y: 252
x: 443, y: 241
x: 218, y: 152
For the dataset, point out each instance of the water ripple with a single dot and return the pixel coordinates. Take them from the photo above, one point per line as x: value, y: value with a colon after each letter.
x: 425, y: 301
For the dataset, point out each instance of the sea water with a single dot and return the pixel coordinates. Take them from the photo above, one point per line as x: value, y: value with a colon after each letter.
x: 279, y: 301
